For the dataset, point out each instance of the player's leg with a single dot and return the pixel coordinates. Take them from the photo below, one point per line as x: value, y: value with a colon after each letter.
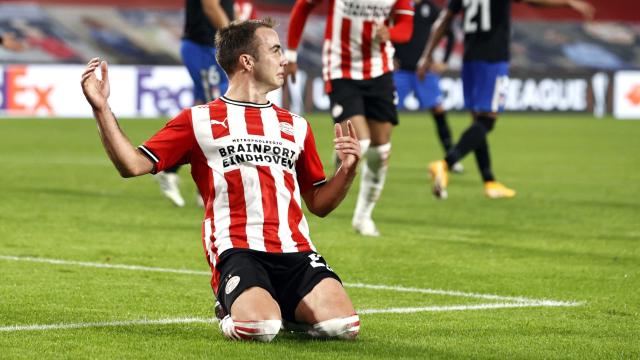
x: 483, y: 157
x: 347, y: 104
x: 381, y: 113
x: 246, y: 296
x: 472, y: 137
x: 372, y: 177
x: 314, y: 301
x: 490, y: 102
x: 330, y: 312
x: 169, y: 185
x: 430, y: 97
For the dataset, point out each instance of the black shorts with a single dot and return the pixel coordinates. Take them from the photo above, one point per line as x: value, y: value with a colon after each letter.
x: 375, y: 98
x: 287, y: 277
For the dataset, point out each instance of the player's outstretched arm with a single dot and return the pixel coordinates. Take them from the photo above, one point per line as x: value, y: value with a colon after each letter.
x: 584, y: 8
x: 322, y: 200
x: 298, y: 19
x: 126, y: 158
x: 440, y: 28
x: 215, y: 13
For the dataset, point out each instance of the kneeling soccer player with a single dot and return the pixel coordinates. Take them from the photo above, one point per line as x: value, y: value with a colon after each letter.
x: 252, y: 162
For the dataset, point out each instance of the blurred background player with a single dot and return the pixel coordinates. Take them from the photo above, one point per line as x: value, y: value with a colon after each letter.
x: 8, y: 41
x: 202, y: 19
x: 427, y: 90
x: 485, y: 74
x: 357, y: 59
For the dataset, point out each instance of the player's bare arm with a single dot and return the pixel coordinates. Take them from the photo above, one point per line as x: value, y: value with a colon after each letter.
x: 584, y: 8
x: 324, y: 199
x: 439, y: 30
x: 382, y: 33
x: 299, y: 15
x: 215, y: 13
x: 124, y: 156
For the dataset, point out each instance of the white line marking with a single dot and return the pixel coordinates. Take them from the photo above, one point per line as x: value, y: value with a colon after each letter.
x: 191, y: 320
x: 102, y: 265
x: 517, y: 299
x: 467, y: 307
x: 443, y: 292
x: 104, y: 324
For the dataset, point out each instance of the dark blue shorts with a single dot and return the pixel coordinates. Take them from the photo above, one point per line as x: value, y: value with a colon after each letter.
x: 485, y: 85
x: 426, y: 91
x: 209, y: 80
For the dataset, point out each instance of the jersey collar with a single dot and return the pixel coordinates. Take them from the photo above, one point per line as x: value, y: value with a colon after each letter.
x: 245, y: 103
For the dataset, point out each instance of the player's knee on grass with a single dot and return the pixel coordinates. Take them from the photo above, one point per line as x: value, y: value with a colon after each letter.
x: 262, y: 330
x: 346, y: 328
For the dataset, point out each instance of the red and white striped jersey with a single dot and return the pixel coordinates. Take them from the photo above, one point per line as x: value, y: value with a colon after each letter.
x: 350, y: 50
x: 250, y: 162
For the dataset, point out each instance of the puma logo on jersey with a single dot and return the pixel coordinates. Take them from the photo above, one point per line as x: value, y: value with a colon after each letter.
x: 223, y: 122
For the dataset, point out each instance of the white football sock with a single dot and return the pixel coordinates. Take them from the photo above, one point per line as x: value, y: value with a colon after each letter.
x: 374, y: 172
x: 264, y: 330
x: 343, y: 328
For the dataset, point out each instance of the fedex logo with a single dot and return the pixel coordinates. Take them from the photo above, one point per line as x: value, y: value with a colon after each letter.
x: 163, y: 91
x: 22, y: 95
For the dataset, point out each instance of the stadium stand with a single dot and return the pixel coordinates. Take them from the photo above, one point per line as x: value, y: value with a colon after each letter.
x: 143, y: 33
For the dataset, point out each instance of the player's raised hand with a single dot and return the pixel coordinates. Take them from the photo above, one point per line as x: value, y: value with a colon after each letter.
x: 584, y: 8
x: 424, y: 64
x: 347, y: 147
x: 290, y: 71
x: 96, y: 90
x: 10, y: 42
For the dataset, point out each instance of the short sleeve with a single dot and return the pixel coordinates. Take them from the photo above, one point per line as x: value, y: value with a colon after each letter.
x: 455, y: 6
x: 309, y: 168
x: 171, y: 145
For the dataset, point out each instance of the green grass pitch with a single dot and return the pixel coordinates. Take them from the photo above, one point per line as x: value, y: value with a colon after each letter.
x: 572, y: 235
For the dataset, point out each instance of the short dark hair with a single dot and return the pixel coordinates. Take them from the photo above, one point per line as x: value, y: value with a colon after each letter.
x: 236, y: 39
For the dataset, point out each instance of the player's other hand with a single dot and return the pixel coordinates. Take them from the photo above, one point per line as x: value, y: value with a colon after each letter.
x: 382, y: 33
x: 290, y: 71
x: 423, y: 66
x: 347, y: 147
x: 584, y: 8
x: 95, y: 90
x: 10, y: 42
x: 438, y: 67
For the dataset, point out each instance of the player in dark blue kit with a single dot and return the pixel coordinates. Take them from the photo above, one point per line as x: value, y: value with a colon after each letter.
x: 202, y: 18
x: 427, y: 90
x: 485, y: 73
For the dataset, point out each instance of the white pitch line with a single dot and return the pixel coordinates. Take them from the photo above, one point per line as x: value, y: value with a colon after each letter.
x: 64, y: 326
x: 407, y: 310
x: 102, y: 265
x: 467, y: 307
x: 518, y: 299
x: 455, y: 293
